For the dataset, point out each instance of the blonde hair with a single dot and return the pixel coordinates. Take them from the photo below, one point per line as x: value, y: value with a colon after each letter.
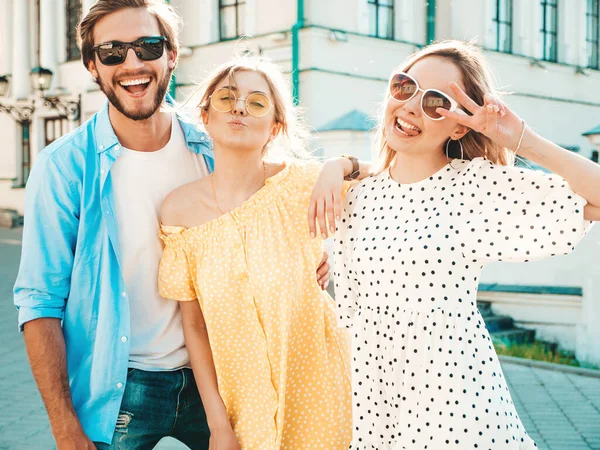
x: 291, y: 141
x: 478, y: 81
x: 169, y: 23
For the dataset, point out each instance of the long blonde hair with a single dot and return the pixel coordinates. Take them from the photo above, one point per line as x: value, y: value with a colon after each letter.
x: 291, y: 141
x: 478, y: 81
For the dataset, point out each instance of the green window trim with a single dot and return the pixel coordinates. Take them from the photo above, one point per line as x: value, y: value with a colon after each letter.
x: 381, y: 18
x: 593, y: 33
x: 231, y: 11
x: 504, y: 27
x: 550, y: 30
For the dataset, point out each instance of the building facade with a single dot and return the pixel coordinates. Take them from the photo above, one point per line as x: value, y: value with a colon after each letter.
x: 339, y: 55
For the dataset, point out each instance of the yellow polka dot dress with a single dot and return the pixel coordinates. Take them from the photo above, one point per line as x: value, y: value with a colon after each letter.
x: 282, y: 363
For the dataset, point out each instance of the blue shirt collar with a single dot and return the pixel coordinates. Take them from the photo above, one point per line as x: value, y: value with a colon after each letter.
x: 197, y: 140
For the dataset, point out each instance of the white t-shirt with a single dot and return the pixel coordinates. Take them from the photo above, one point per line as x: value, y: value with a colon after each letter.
x: 141, y: 181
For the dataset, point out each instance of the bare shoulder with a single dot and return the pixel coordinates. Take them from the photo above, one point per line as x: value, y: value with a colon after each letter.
x: 273, y: 168
x: 188, y: 205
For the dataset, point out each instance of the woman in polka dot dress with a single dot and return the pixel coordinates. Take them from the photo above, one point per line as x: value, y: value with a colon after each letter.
x: 412, y: 242
x: 239, y: 256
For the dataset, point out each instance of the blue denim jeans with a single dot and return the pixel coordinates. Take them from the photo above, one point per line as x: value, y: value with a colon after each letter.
x: 159, y: 404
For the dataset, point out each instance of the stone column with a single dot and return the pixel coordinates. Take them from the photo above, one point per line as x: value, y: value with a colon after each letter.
x: 21, y: 54
x: 5, y: 37
x: 48, y: 47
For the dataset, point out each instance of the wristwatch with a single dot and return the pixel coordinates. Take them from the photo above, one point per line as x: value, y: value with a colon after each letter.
x: 355, y: 168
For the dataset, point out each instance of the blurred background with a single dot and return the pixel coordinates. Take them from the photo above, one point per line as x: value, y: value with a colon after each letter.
x: 338, y: 55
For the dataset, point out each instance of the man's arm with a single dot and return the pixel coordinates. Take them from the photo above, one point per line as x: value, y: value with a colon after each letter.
x: 41, y: 289
x: 45, y: 345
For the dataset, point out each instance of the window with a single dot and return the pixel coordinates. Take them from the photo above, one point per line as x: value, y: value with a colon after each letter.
x: 593, y: 33
x: 73, y: 18
x: 231, y: 23
x: 549, y: 29
x: 503, y: 19
x: 25, y: 154
x: 54, y: 128
x: 381, y: 18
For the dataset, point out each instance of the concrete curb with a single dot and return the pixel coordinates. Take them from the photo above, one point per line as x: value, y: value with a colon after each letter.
x: 550, y: 366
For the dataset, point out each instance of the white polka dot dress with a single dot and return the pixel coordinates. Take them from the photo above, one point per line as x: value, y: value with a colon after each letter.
x: 407, y: 264
x: 282, y: 364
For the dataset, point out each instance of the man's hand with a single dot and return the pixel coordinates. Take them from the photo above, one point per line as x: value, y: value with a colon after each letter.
x: 324, y: 272
x: 77, y: 440
x: 223, y: 439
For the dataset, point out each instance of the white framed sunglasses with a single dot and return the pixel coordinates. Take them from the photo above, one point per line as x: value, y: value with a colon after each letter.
x: 403, y: 87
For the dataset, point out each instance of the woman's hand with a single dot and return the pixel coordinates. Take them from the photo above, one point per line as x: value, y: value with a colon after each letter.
x: 323, y: 272
x: 223, y: 438
x: 325, y: 202
x: 494, y: 119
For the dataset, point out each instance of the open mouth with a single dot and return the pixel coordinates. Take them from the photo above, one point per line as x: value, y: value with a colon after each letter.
x: 406, y: 128
x: 137, y: 86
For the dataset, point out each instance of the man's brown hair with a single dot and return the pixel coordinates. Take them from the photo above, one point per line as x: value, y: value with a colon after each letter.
x: 169, y: 23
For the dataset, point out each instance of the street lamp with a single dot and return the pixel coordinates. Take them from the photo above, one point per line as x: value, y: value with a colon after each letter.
x: 22, y: 114
x: 40, y: 79
x: 3, y: 85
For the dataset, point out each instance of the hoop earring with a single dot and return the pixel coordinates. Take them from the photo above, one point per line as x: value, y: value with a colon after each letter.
x: 462, y: 152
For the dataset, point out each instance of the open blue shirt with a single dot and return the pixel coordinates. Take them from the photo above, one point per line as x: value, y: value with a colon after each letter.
x: 70, y: 264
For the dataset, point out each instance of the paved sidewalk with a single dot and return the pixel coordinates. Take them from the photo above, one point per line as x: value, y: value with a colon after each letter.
x: 561, y: 411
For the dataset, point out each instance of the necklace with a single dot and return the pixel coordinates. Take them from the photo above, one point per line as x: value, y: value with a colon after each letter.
x: 212, y: 176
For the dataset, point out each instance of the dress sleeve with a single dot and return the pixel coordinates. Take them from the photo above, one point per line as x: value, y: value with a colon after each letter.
x: 345, y: 280
x: 174, y: 277
x: 521, y: 214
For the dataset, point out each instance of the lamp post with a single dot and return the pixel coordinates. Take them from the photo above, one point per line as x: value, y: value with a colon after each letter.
x: 20, y: 114
x: 40, y: 79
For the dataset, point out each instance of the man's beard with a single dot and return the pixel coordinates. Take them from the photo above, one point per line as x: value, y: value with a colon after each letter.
x: 142, y: 114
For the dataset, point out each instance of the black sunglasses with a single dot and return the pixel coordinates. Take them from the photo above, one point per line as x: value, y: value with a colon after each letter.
x: 115, y: 52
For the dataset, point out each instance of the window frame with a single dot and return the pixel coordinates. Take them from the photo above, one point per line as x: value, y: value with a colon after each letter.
x: 504, y: 22
x: 24, y: 167
x: 239, y: 30
x: 73, y: 9
x: 592, y: 15
x: 549, y: 33
x: 376, y: 4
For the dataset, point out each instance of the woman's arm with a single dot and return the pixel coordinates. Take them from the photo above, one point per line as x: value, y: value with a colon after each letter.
x: 495, y: 120
x: 326, y: 200
x: 582, y: 174
x: 198, y: 346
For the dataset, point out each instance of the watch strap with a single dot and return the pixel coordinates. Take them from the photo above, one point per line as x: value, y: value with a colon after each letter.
x: 355, y: 168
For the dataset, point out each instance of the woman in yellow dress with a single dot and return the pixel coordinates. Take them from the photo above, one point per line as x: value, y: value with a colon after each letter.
x: 240, y: 257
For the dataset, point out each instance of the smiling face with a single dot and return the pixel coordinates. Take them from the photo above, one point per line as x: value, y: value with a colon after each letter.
x: 236, y: 128
x: 135, y: 88
x: 406, y: 127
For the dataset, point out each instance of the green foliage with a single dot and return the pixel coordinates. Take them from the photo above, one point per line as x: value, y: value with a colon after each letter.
x: 541, y: 352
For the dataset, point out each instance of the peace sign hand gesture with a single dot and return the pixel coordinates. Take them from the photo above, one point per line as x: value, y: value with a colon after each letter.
x: 494, y: 119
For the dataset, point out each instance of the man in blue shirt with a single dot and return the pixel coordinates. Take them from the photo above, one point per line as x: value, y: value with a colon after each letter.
x: 107, y: 352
